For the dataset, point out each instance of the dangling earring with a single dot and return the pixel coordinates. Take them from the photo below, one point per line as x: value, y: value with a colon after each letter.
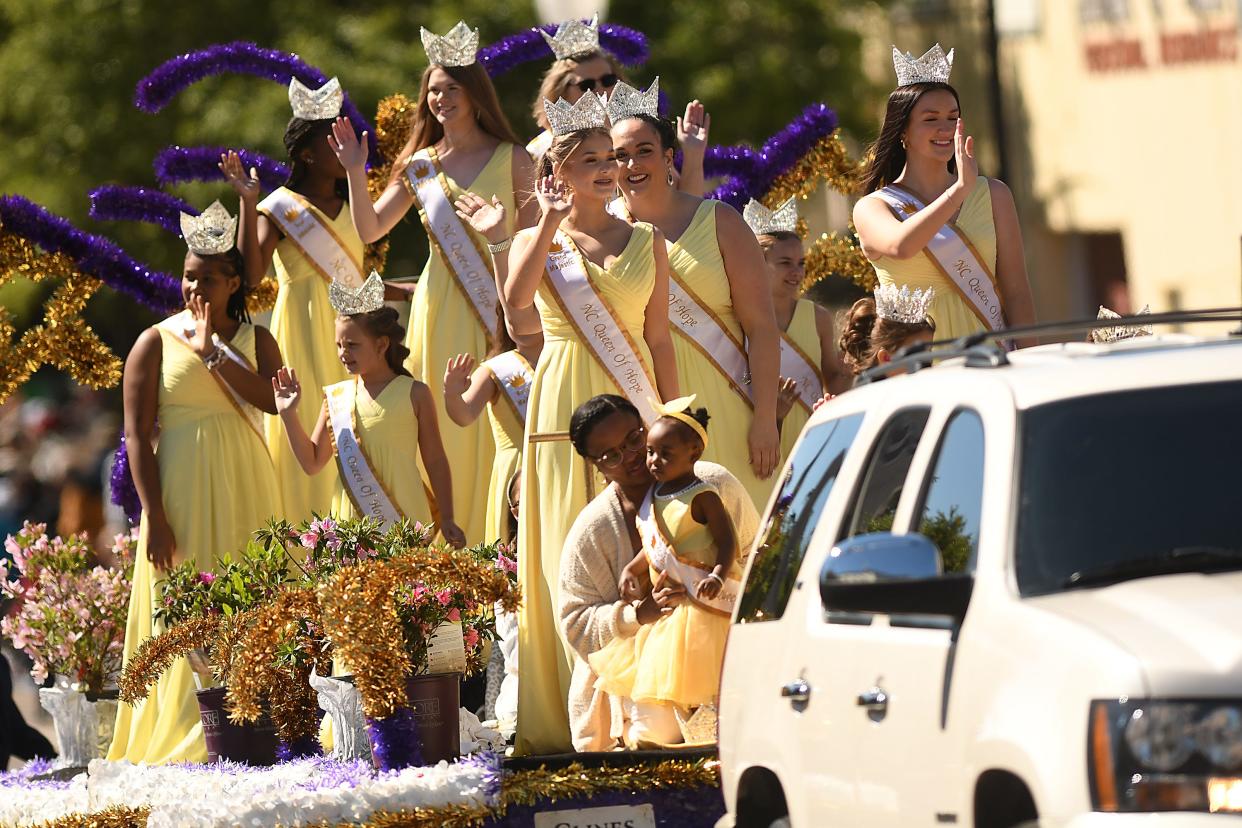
x: 670, y: 178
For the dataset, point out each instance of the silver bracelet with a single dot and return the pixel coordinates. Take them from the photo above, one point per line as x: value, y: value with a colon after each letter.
x: 500, y: 247
x: 719, y: 580
x: 214, y: 359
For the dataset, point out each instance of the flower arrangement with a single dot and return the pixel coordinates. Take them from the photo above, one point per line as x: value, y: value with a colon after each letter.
x: 71, y: 614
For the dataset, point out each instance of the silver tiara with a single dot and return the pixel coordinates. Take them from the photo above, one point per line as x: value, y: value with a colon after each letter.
x: 933, y: 67
x: 573, y: 37
x: 457, y: 48
x: 319, y: 104
x: 564, y: 118
x: 900, y: 304
x: 212, y: 232
x: 347, y: 301
x: 783, y: 219
x: 627, y: 102
x: 1120, y: 332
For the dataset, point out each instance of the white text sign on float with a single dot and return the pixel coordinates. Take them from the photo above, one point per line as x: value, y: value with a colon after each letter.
x: 620, y: 816
x: 446, y: 649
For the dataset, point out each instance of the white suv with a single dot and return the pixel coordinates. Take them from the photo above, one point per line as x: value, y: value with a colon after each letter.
x: 1005, y: 590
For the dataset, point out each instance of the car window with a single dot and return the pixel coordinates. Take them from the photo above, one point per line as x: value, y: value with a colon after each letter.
x: 953, y: 498
x: 809, y: 479
x: 875, y: 502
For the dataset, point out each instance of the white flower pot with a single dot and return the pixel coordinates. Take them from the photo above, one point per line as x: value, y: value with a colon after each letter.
x: 83, y: 727
x: 341, y: 701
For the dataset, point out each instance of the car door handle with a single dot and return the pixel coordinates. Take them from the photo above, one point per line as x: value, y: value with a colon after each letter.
x: 797, y: 691
x: 874, y: 699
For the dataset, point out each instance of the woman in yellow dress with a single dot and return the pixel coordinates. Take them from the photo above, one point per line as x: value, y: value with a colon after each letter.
x: 807, y: 337
x: 368, y: 420
x: 303, y: 229
x: 198, y: 380
x: 719, y: 266
x: 620, y: 314
x: 460, y: 142
x: 689, y: 541
x: 929, y: 220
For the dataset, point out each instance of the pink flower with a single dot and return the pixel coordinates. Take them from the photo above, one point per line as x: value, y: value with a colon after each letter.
x: 454, y: 615
x: 444, y: 597
x: 506, y: 563
x: 472, y: 637
x: 309, y: 539
x: 206, y: 578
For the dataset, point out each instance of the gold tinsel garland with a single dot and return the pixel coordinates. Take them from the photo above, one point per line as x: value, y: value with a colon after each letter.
x: 63, y: 340
x: 117, y: 816
x: 262, y: 297
x: 358, y: 613
x: 394, y: 120
x: 156, y: 654
x: 833, y: 254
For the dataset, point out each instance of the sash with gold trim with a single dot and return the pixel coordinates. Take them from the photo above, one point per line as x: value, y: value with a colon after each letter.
x: 799, y: 367
x: 663, y: 557
x: 177, y: 326
x: 514, y: 376
x: 311, y: 233
x: 955, y: 257
x: 597, y: 325
x: 453, y: 241
x: 365, y: 490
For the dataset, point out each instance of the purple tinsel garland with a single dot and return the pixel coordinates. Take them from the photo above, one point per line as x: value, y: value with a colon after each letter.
x: 778, y: 155
x: 174, y: 75
x: 395, y: 742
x: 115, y: 203
x: 301, y: 748
x: 121, y: 482
x: 93, y: 255
x: 176, y: 165
x: 628, y: 46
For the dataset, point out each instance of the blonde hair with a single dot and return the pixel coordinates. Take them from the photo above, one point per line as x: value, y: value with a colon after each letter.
x: 562, y: 147
x: 556, y: 80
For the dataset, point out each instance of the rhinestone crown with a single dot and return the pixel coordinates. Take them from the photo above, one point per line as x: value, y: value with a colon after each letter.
x: 347, y: 301
x: 784, y: 219
x: 563, y: 118
x: 212, y: 232
x: 627, y: 102
x: 319, y: 104
x: 457, y: 48
x: 573, y: 37
x: 1116, y: 334
x: 933, y: 67
x: 900, y: 304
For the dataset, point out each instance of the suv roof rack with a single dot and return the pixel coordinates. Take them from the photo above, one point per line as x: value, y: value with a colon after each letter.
x: 981, y: 350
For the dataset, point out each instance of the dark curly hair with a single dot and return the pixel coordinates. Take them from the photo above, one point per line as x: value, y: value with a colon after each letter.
x: 299, y: 134
x: 588, y: 415
x: 688, y: 434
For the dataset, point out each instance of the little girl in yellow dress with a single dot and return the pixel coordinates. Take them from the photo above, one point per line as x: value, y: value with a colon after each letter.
x: 689, y: 541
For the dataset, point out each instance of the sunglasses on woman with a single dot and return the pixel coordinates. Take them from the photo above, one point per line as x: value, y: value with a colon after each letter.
x: 606, y: 82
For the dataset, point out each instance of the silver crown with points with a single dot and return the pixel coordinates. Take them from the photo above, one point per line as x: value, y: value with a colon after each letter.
x: 564, y: 118
x: 213, y: 231
x: 933, y: 67
x: 900, y: 304
x: 456, y: 48
x: 573, y: 38
x: 319, y: 104
x: 348, y: 301
x: 784, y: 219
x: 1116, y: 334
x: 627, y: 102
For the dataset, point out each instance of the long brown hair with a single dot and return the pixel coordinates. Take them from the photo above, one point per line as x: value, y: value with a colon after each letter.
x: 386, y: 322
x: 427, y: 130
x: 886, y: 158
x: 500, y: 340
x: 865, y: 333
x: 556, y: 80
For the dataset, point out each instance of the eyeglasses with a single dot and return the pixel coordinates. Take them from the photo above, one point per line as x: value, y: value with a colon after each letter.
x: 635, y: 441
x: 607, y: 82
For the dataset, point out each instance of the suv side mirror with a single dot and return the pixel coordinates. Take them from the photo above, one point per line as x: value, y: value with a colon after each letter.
x: 892, y: 574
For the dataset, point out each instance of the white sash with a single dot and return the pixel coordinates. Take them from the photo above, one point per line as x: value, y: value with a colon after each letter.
x: 308, y: 229
x: 539, y: 144
x: 799, y: 367
x: 176, y: 325
x: 607, y: 340
x: 365, y: 490
x: 662, y: 556
x: 956, y: 258
x: 514, y: 376
x: 452, y: 240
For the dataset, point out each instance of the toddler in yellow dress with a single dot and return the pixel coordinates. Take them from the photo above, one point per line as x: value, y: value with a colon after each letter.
x: 689, y: 542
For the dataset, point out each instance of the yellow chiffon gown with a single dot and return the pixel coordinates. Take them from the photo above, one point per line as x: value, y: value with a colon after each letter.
x: 387, y: 430
x: 805, y: 335
x: 507, y: 431
x: 697, y: 261
x: 557, y: 484
x: 304, y: 326
x: 952, y: 314
x: 443, y: 324
x: 676, y: 660
x: 218, y: 485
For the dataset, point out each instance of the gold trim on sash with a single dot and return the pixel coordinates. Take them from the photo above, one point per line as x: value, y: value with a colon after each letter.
x: 662, y: 534
x: 787, y: 341
x: 345, y: 474
x: 528, y: 375
x: 322, y: 221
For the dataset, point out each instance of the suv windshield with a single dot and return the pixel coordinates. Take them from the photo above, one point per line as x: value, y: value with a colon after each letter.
x: 1129, y: 485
